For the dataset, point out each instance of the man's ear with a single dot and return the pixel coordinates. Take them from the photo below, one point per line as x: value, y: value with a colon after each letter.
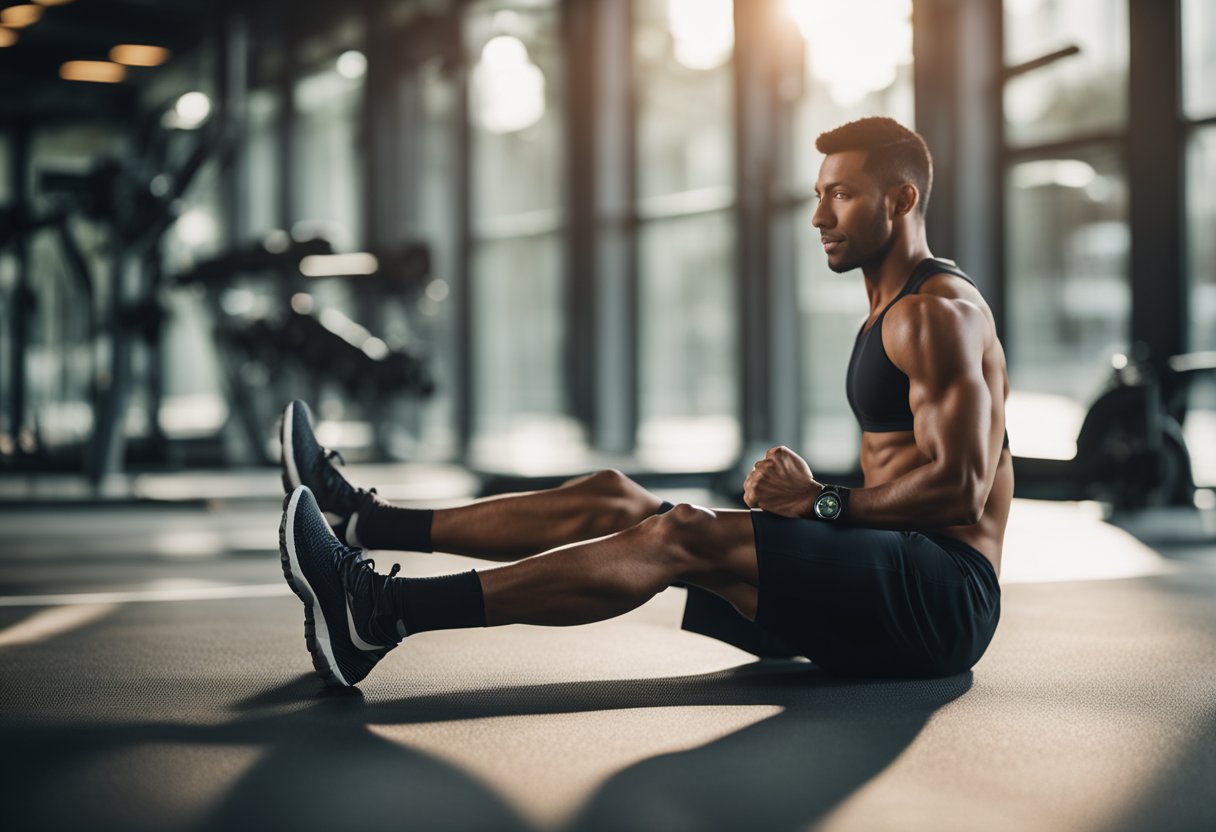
x: 905, y: 198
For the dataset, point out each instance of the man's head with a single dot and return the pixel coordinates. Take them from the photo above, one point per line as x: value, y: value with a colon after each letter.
x: 876, y: 173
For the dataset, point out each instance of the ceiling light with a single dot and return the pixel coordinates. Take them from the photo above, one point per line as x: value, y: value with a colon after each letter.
x: 7, y: 37
x: 139, y: 55
x: 18, y: 17
x: 101, y: 72
x: 335, y: 265
x: 52, y: 2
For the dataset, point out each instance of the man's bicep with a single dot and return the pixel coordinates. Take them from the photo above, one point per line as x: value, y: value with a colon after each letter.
x: 951, y: 418
x: 942, y: 355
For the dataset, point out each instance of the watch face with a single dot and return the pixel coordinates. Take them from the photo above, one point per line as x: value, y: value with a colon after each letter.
x: 827, y: 506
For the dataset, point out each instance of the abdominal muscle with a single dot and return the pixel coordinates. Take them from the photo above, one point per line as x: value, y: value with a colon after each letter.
x: 887, y: 456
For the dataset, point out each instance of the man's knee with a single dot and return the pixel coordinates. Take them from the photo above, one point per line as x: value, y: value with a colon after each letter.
x: 686, y: 536
x: 609, y: 502
x: 713, y: 550
x: 685, y: 517
x: 623, y: 503
x: 611, y: 483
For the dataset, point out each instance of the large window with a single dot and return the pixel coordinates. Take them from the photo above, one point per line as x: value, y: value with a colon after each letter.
x: 60, y: 353
x: 1201, y: 219
x: 8, y: 278
x: 688, y: 369
x: 1082, y: 93
x: 438, y: 168
x: 1068, y: 296
x: 261, y: 162
x: 866, y: 72
x: 193, y: 404
x: 520, y: 411
x: 1068, y: 245
x: 1199, y: 98
x: 1200, y: 425
x: 1199, y: 58
x: 688, y: 346
x: 327, y: 178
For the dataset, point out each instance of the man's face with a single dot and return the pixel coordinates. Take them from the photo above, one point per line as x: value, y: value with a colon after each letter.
x: 852, y: 212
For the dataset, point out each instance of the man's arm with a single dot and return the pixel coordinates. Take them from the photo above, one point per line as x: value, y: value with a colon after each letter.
x: 939, y: 344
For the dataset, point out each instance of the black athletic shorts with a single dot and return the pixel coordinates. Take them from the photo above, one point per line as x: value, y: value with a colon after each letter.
x: 861, y: 601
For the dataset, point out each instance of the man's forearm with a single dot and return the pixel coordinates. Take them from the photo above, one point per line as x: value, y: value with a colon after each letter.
x: 925, y: 497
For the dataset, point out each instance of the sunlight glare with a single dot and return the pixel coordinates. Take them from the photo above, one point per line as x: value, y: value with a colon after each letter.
x: 703, y: 32
x: 855, y: 48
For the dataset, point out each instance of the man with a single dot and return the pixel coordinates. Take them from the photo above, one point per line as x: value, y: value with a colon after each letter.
x: 898, y: 578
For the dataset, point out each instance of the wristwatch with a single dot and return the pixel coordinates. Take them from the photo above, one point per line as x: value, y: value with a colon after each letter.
x: 831, y: 502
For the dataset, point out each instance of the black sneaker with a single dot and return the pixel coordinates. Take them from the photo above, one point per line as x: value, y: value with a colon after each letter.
x: 305, y: 462
x: 344, y: 626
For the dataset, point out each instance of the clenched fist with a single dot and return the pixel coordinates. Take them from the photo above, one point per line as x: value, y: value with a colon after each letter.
x: 781, y: 483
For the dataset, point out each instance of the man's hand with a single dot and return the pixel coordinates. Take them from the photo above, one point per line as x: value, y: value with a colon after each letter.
x: 781, y: 483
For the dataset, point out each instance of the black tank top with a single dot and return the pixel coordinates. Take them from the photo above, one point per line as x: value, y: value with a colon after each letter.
x: 877, y: 389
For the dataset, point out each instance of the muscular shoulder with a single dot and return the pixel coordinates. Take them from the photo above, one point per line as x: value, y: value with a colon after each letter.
x: 928, y: 335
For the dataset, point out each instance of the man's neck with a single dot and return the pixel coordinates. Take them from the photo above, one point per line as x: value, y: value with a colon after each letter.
x: 886, y: 278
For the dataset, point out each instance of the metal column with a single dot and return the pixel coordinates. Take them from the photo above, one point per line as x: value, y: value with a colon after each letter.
x: 1155, y: 171
x: 766, y: 274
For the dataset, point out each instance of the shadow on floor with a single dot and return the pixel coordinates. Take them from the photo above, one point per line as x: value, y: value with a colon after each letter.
x: 1180, y: 799
x: 319, y: 767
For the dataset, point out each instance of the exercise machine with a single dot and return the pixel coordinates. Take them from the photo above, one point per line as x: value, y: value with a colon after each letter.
x: 1131, y: 451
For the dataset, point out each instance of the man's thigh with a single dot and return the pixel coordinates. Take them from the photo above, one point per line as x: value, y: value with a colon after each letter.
x: 868, y: 601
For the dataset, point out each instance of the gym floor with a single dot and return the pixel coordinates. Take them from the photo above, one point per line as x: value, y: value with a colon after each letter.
x: 153, y: 676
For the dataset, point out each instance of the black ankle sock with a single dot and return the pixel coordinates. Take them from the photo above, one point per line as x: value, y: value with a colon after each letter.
x: 445, y: 603
x: 381, y: 526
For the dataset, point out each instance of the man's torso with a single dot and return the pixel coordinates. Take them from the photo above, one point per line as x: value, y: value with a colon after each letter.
x: 887, y: 454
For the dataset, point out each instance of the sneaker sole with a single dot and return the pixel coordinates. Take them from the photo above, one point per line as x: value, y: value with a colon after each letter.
x: 318, y: 643
x: 291, y: 477
x: 290, y: 474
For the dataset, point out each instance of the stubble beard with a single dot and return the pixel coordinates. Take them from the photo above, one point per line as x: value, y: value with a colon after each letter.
x: 871, y: 257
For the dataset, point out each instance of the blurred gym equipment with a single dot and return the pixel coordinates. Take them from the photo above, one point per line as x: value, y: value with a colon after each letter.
x: 256, y: 345
x: 110, y: 326
x: 1131, y: 452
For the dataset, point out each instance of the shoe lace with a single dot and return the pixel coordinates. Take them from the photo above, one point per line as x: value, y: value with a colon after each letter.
x: 332, y: 481
x: 356, y: 573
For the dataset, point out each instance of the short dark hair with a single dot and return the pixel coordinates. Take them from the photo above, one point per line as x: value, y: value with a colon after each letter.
x: 894, y: 154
